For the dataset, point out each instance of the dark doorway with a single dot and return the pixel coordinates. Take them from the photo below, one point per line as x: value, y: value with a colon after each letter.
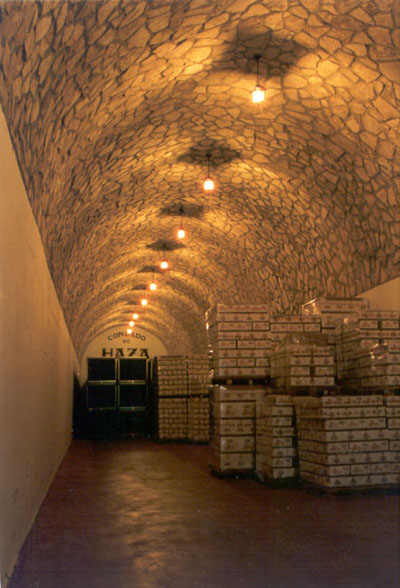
x: 116, y: 401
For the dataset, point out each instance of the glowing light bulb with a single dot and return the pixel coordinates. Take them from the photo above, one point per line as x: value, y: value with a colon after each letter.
x: 135, y: 316
x: 208, y: 184
x: 131, y: 324
x: 181, y: 233
x: 129, y: 331
x: 144, y: 302
x: 258, y: 95
x: 164, y: 264
x: 153, y: 286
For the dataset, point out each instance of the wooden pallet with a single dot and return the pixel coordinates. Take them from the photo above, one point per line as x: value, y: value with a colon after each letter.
x: 242, y: 381
x: 316, y: 391
x: 370, y: 391
x: 279, y: 483
x: 383, y: 489
x: 231, y: 473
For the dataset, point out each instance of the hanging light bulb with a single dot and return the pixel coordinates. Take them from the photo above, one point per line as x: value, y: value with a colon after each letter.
x: 135, y: 316
x: 129, y: 331
x: 144, y: 302
x: 164, y: 262
x: 131, y: 324
x: 258, y: 93
x: 208, y: 184
x: 181, y: 231
x: 152, y: 285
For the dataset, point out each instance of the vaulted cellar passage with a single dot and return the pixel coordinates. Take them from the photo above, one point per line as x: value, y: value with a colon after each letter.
x: 113, y: 114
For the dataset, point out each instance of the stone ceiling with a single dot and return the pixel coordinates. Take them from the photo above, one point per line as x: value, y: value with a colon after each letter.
x: 112, y: 107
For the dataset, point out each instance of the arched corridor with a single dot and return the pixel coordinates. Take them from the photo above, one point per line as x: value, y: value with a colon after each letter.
x: 112, y: 114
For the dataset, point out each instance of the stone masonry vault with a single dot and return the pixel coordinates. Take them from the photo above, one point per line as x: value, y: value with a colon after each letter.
x: 112, y: 107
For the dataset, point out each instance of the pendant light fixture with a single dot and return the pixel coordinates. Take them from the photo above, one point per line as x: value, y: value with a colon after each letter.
x: 208, y: 184
x: 258, y: 93
x: 152, y: 285
x: 181, y: 231
x: 164, y: 262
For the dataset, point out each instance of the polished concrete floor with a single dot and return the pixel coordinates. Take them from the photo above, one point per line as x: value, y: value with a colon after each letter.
x: 138, y: 514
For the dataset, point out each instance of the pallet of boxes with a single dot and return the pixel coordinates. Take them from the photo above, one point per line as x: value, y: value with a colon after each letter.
x: 276, y: 452
x: 301, y: 361
x: 198, y: 398
x: 239, y: 344
x: 181, y: 383
x: 171, y: 386
x: 350, y: 441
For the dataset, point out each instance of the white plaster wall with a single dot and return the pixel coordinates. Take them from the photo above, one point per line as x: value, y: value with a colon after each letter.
x: 386, y: 296
x: 36, y: 365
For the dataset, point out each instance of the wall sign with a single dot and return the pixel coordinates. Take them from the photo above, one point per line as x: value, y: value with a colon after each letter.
x: 117, y: 343
x: 125, y: 352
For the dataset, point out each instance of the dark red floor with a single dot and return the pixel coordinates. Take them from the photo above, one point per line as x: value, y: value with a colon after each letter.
x: 138, y: 514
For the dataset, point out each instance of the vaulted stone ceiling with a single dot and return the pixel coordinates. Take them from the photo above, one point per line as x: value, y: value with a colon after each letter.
x: 113, y: 105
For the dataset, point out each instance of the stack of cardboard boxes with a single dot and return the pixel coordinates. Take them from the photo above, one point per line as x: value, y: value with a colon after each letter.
x: 283, y: 325
x: 239, y: 340
x: 368, y: 350
x: 332, y: 311
x: 342, y: 441
x: 276, y: 453
x: 199, y: 419
x: 198, y: 401
x: 171, y: 385
x: 198, y: 367
x: 233, y: 411
x: 183, y: 399
x: 172, y: 419
x: 303, y: 361
x: 331, y: 438
x: 392, y: 405
x: 171, y: 375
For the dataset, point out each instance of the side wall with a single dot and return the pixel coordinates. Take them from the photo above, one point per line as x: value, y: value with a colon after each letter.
x: 386, y: 296
x: 37, y: 363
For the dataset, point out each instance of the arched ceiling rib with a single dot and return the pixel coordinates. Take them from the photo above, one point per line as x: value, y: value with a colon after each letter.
x: 113, y: 105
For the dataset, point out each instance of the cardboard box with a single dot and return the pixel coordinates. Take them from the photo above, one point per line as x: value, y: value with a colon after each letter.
x: 239, y: 308
x: 223, y: 410
x: 277, y: 432
x: 248, y: 372
x: 318, y: 305
x: 235, y: 393
x: 232, y: 461
x: 326, y: 459
x: 325, y: 447
x: 242, y: 444
x: 275, y: 452
x: 326, y: 412
x: 324, y: 470
x: 347, y: 424
x: 234, y: 427
x: 217, y: 317
x: 340, y: 436
x: 337, y: 401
